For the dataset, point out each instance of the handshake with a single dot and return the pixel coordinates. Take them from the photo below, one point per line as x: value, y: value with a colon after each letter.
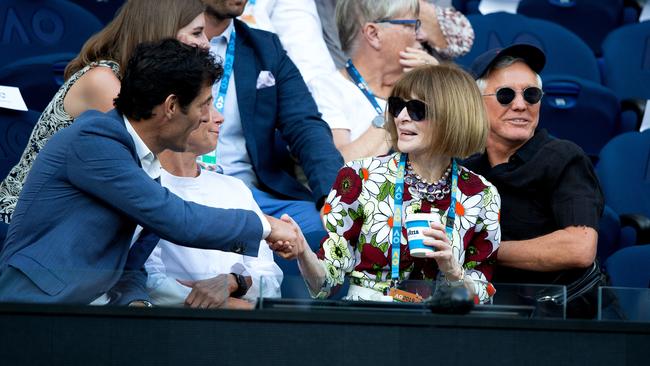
x: 285, y: 238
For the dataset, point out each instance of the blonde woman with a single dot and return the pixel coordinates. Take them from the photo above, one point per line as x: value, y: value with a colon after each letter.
x: 435, y: 116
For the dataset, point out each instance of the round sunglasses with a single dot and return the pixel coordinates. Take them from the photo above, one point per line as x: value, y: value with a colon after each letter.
x: 416, y: 109
x: 505, y: 96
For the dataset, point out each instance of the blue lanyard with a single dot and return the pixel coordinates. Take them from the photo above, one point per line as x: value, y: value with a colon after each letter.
x: 396, y: 232
x: 208, y: 161
x: 227, y: 72
x: 363, y: 86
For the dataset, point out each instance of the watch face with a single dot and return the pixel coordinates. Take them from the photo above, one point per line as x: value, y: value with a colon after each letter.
x: 378, y: 121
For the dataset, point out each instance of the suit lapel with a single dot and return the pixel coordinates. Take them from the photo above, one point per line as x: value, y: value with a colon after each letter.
x: 245, y: 84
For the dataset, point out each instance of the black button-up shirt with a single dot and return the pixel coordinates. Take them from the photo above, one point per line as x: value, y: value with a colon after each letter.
x: 547, y: 185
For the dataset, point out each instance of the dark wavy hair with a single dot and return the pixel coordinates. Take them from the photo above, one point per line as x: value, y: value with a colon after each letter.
x: 159, y: 69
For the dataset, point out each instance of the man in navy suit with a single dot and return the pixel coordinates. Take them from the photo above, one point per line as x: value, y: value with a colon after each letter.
x: 269, y: 111
x: 94, y: 182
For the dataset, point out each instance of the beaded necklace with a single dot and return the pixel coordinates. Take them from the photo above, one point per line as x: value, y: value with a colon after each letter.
x: 420, y: 188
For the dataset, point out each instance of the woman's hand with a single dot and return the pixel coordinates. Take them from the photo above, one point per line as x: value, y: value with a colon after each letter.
x: 413, y: 57
x: 290, y: 249
x: 437, y: 238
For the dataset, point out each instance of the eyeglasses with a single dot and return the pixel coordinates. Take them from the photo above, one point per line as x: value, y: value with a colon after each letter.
x: 505, y: 96
x: 415, y: 22
x: 416, y: 109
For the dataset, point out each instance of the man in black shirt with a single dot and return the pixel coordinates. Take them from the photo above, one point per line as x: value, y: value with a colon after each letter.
x: 551, y: 199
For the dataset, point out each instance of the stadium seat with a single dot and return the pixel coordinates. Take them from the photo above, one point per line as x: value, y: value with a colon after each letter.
x: 38, y: 27
x: 626, y: 64
x: 609, y: 231
x: 466, y: 7
x: 15, y: 129
x: 579, y: 110
x: 628, y: 267
x: 591, y: 20
x: 624, y: 173
x: 38, y: 78
x: 104, y: 10
x: 565, y: 52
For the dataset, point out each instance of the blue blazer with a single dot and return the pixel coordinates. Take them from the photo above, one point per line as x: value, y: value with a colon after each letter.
x: 78, y: 209
x: 281, y: 116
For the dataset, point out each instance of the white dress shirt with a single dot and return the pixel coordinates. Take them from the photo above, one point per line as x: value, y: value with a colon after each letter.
x: 232, y: 156
x: 148, y: 160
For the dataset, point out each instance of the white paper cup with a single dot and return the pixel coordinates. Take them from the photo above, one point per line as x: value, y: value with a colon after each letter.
x: 415, y: 224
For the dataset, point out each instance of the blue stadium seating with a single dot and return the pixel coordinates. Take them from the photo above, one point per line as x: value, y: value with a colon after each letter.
x: 38, y: 78
x: 626, y: 54
x: 609, y: 233
x: 467, y: 6
x: 37, y: 27
x: 591, y: 20
x: 104, y: 10
x: 15, y: 129
x: 624, y: 173
x: 579, y: 110
x: 628, y: 267
x: 565, y: 52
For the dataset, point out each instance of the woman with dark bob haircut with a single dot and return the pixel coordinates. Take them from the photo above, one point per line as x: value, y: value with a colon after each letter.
x: 435, y: 116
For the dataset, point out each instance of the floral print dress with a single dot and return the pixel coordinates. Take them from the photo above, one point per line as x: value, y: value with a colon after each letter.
x: 358, y: 214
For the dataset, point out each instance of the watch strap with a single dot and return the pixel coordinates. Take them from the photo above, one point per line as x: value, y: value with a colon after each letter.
x: 242, y: 286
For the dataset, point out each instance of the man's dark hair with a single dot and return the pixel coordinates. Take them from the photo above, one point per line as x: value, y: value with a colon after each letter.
x: 158, y: 69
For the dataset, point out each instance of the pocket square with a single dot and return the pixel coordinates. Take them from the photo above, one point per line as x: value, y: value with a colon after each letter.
x: 265, y: 79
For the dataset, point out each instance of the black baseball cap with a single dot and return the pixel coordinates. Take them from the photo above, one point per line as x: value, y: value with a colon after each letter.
x: 533, y: 56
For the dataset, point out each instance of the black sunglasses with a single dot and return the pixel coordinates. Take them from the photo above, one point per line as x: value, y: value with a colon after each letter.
x: 505, y: 96
x: 416, y: 109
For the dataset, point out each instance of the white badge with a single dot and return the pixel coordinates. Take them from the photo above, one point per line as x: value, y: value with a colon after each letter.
x: 11, y: 98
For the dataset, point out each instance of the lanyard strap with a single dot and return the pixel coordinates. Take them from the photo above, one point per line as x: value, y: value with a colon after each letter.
x: 228, y: 65
x: 396, y: 231
x: 363, y: 86
x: 451, y: 213
x: 209, y: 160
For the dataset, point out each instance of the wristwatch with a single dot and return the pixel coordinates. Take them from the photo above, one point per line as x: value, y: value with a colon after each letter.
x: 378, y: 121
x: 242, y: 286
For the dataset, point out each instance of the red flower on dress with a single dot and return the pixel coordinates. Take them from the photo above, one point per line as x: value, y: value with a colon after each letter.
x: 348, y: 185
x: 470, y: 184
x: 478, y: 248
x: 372, y: 259
x: 352, y: 234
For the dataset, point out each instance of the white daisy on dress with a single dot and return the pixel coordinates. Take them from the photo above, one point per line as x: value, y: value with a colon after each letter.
x: 332, y: 209
x: 383, y: 222
x: 467, y: 210
x: 373, y: 176
x: 492, y: 218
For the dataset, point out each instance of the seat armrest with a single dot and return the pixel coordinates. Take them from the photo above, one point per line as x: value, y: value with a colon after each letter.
x: 637, y: 106
x: 641, y: 225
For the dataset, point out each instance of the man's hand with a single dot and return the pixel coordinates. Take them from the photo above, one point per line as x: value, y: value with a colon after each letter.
x: 281, y: 231
x: 290, y: 250
x: 211, y: 293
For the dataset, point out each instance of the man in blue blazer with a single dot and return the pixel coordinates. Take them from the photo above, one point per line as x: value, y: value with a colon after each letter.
x: 269, y: 110
x: 92, y: 184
